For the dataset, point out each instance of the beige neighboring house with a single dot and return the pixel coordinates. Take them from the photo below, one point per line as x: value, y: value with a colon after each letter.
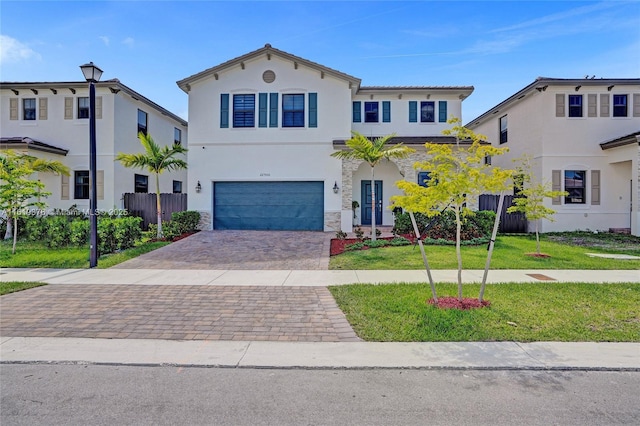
x: 263, y: 126
x: 50, y: 120
x: 584, y: 137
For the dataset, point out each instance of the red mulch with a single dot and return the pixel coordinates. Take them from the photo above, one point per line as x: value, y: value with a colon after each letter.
x: 539, y: 255
x: 451, y: 302
x: 338, y: 246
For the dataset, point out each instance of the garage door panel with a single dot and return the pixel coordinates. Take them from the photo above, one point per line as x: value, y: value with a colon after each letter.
x: 269, y: 205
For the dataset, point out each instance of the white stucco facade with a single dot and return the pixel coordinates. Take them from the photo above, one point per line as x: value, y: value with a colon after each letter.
x: 57, y: 133
x: 598, y: 143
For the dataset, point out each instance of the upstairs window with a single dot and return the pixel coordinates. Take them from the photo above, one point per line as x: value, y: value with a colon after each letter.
x: 177, y: 187
x: 370, y: 112
x: 292, y: 110
x: 574, y: 184
x: 427, y: 112
x: 81, y: 185
x: 423, y: 178
x: 575, y: 105
x: 177, y: 136
x: 244, y: 110
x: 141, y: 184
x: 142, y: 122
x: 29, y: 109
x: 503, y: 129
x: 83, y: 107
x: 619, y: 105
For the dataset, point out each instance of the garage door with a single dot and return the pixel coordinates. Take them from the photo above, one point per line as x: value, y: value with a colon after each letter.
x: 290, y: 206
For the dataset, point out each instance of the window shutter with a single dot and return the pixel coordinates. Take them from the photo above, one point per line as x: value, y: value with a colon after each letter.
x: 442, y: 111
x: 413, y: 111
x: 13, y: 108
x: 592, y: 108
x: 386, y: 111
x: 556, y: 185
x: 636, y: 104
x: 313, y: 110
x: 64, y: 188
x: 273, y: 110
x: 559, y: 105
x: 595, y: 187
x: 42, y: 108
x: 98, y: 107
x: 68, y: 108
x: 357, y: 112
x: 100, y: 184
x: 224, y: 110
x: 604, y: 105
x: 262, y: 110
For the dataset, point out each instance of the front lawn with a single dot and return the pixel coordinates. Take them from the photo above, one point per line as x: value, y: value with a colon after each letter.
x: 509, y: 253
x: 37, y: 255
x: 564, y: 312
x: 13, y: 286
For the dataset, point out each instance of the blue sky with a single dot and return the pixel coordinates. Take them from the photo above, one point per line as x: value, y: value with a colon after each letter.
x: 497, y: 46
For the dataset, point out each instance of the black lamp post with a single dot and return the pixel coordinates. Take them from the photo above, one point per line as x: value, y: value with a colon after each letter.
x: 92, y: 74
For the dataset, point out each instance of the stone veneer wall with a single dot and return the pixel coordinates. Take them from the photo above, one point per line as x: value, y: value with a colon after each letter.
x: 332, y: 221
x: 205, y: 220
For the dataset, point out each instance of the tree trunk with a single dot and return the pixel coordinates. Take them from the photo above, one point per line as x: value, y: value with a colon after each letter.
x: 424, y: 257
x: 537, y: 239
x: 158, y: 207
x: 9, y: 232
x: 15, y: 234
x: 458, y: 253
x: 373, y: 206
x: 491, y: 244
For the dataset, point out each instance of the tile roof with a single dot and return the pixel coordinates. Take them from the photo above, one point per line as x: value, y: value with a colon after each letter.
x: 26, y: 142
x: 633, y: 138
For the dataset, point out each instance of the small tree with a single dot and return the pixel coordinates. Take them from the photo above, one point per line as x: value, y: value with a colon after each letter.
x: 372, y: 152
x: 457, y: 175
x: 156, y: 160
x: 530, y: 199
x: 17, y: 191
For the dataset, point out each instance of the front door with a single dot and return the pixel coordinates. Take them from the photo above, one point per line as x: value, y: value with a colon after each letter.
x: 366, y: 202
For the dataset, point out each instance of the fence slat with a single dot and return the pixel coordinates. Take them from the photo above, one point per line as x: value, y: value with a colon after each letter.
x: 144, y: 206
x: 510, y: 223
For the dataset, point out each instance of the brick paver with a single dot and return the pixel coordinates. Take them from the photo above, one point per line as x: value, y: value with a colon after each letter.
x: 307, y: 314
x: 240, y: 250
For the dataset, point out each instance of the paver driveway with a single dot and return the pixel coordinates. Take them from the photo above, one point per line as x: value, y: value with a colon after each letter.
x: 240, y: 250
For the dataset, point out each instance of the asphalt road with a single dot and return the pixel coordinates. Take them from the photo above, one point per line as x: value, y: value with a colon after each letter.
x: 52, y: 394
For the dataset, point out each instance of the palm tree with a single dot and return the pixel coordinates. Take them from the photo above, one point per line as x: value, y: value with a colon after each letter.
x: 156, y: 160
x: 372, y: 151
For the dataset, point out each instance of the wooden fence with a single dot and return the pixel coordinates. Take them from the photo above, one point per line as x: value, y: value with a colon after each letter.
x: 144, y: 206
x: 510, y: 223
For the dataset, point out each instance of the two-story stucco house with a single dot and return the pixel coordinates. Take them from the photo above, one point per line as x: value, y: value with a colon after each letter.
x: 583, y: 136
x: 263, y: 126
x: 50, y: 120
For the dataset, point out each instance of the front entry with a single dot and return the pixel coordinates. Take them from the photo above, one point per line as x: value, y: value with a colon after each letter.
x: 365, y: 196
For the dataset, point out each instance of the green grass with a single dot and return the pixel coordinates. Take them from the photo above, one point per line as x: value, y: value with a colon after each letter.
x: 509, y: 253
x: 565, y: 312
x: 13, y: 286
x: 37, y: 255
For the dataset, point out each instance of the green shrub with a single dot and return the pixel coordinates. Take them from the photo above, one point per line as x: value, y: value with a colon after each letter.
x: 36, y: 228
x: 58, y: 231
x: 399, y: 241
x: 79, y: 232
x: 118, y: 233
x: 475, y: 226
x: 185, y: 222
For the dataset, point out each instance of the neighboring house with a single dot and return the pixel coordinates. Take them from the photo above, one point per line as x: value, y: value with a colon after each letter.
x: 583, y: 136
x: 262, y: 128
x: 51, y: 120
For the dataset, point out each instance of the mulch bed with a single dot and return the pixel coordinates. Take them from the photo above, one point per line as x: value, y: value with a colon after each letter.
x: 450, y: 302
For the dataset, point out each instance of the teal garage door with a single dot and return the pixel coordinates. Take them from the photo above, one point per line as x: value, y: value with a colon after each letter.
x: 282, y: 206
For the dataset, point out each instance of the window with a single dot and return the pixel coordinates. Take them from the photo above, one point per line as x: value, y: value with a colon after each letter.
x: 244, y: 110
x: 177, y: 187
x: 141, y: 184
x: 370, y: 112
x: 177, y: 136
x: 423, y: 178
x: 619, y: 105
x: 142, y: 121
x: 503, y: 129
x: 574, y: 184
x: 292, y: 110
x: 83, y: 107
x: 427, y: 112
x: 487, y: 160
x: 29, y: 109
x: 575, y: 105
x: 81, y: 185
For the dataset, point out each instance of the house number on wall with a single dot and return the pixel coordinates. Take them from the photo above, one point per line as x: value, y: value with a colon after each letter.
x: 265, y: 174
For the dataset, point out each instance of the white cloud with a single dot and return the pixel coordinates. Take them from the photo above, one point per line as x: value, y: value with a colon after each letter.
x: 105, y: 40
x: 12, y: 50
x: 129, y: 41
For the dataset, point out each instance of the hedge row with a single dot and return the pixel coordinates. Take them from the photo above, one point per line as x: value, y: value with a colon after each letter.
x: 477, y: 226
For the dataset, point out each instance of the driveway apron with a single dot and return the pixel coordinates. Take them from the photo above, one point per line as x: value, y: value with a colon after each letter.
x: 276, y: 250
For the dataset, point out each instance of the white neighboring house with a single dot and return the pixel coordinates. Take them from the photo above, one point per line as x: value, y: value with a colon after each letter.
x: 50, y: 120
x: 262, y: 128
x: 584, y: 137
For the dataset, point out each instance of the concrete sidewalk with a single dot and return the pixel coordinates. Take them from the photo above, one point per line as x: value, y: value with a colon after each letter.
x: 304, y: 277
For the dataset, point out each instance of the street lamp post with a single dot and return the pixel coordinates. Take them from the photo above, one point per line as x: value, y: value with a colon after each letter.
x: 92, y: 74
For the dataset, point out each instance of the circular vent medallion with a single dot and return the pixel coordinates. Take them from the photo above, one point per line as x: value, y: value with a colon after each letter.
x: 269, y: 76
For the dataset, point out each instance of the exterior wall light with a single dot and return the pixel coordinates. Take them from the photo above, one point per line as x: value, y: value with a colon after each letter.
x: 198, y: 187
x: 335, y: 188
